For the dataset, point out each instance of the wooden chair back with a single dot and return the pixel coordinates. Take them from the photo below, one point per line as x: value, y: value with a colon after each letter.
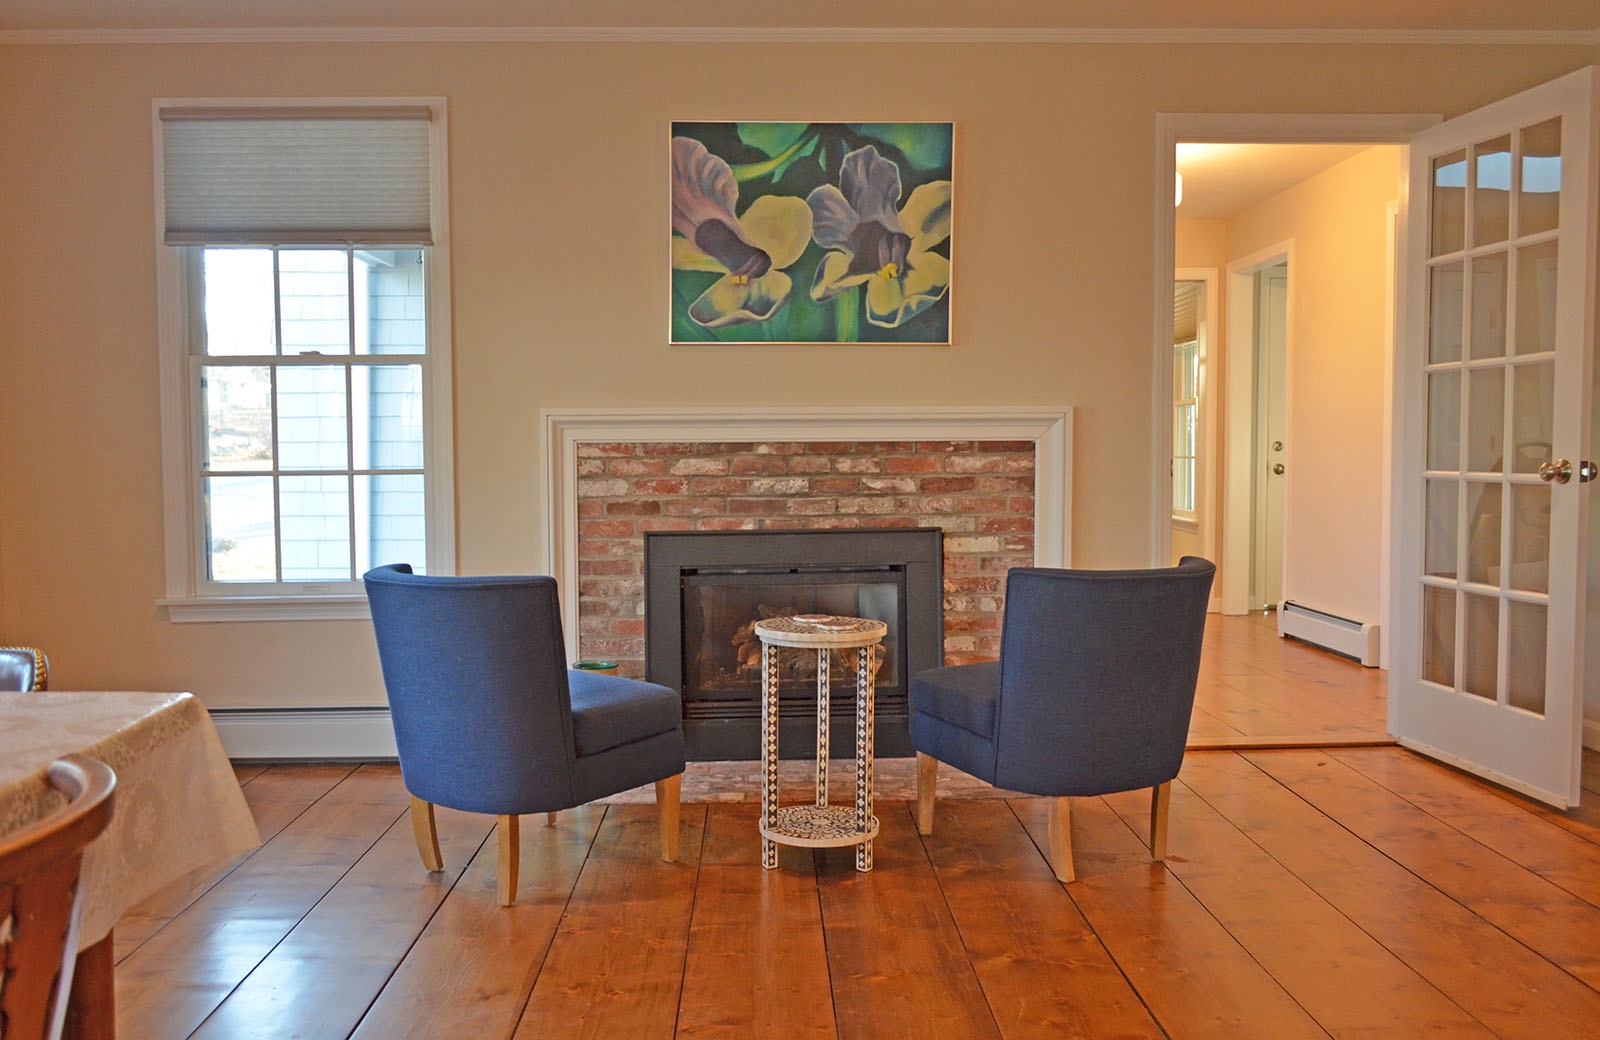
x: 23, y: 668
x: 39, y: 866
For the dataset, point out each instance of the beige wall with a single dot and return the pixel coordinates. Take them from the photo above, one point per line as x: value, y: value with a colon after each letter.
x: 1337, y: 224
x: 558, y: 211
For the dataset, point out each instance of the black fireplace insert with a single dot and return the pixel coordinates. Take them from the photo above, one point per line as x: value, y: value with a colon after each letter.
x: 705, y: 590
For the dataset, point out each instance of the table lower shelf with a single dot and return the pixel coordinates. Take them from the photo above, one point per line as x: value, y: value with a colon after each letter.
x: 818, y: 827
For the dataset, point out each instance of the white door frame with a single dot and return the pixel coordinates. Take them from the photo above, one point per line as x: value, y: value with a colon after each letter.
x: 1239, y: 468
x: 1205, y: 503
x: 1263, y: 128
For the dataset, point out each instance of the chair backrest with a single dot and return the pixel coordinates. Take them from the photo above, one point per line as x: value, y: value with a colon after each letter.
x: 476, y: 674
x: 1097, y: 676
x: 23, y: 668
x: 39, y: 900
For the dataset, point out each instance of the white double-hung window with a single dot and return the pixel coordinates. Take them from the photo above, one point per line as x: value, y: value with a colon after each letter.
x: 305, y: 352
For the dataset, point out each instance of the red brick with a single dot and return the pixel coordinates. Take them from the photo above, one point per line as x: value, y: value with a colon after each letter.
x: 947, y: 485
x: 858, y: 464
x: 808, y: 464
x: 748, y: 465
x: 657, y: 487
x: 591, y: 507
x: 718, y: 486
x: 700, y: 467
x: 605, y: 528
x: 694, y: 506
x: 726, y: 523
x: 974, y: 464
x: 812, y: 506
x: 992, y: 485
x: 888, y: 485
x: 988, y: 506
x: 598, y: 449
x: 913, y: 464
x: 835, y: 486
x: 602, y: 487
x: 634, y: 507
x: 636, y: 467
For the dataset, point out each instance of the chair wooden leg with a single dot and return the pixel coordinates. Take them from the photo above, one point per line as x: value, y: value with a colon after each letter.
x: 510, y: 858
x: 927, y: 782
x: 1060, y: 838
x: 549, y: 819
x: 1160, y: 800
x: 427, y: 836
x: 669, y: 793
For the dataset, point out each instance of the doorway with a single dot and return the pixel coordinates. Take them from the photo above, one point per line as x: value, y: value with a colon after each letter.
x: 1267, y: 445
x: 1343, y: 364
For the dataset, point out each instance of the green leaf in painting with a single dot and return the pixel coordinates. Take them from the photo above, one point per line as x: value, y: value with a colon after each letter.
x: 772, y: 139
x: 774, y: 166
x: 926, y: 146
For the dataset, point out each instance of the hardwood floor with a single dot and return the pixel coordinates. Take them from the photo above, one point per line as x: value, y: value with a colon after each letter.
x: 1308, y: 892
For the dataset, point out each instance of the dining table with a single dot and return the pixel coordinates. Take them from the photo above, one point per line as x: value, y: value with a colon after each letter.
x: 178, y: 816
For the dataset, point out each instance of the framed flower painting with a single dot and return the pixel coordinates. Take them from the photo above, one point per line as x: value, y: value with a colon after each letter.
x: 811, y: 232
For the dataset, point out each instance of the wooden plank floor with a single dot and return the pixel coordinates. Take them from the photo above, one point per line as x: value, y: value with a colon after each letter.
x: 1308, y: 892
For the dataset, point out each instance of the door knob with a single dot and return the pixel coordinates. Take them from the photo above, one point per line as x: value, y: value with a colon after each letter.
x: 1559, y: 471
x: 1587, y: 471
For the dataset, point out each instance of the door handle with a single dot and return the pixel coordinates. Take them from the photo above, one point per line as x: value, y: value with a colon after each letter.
x: 1558, y: 471
x: 1587, y: 471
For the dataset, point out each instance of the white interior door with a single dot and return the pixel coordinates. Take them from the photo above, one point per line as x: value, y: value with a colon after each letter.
x: 1272, y: 429
x: 1493, y: 397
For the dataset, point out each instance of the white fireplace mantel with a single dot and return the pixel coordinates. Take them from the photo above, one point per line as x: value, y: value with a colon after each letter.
x: 1049, y: 428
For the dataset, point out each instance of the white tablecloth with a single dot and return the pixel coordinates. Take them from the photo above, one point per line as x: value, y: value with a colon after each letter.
x: 178, y: 807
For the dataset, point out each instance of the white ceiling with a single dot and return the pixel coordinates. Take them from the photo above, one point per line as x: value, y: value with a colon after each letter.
x: 1221, y: 180
x: 1401, y: 16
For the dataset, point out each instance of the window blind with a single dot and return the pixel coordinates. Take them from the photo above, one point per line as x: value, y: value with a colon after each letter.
x: 345, y: 174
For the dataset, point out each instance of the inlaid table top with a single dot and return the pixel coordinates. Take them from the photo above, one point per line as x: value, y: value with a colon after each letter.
x: 820, y: 630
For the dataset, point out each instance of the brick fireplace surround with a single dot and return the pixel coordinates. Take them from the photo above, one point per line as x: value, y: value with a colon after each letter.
x: 997, y: 482
x: 980, y: 493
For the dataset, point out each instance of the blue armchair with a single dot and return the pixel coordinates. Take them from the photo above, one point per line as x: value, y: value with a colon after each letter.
x: 487, y: 717
x: 1092, y: 694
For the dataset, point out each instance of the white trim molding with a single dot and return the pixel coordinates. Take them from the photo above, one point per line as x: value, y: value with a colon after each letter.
x: 902, y: 35
x: 1049, y: 428
x: 324, y: 734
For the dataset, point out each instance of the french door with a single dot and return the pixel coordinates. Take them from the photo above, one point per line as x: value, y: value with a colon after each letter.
x: 1494, y: 390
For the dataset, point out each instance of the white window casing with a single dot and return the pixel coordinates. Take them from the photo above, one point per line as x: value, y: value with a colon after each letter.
x: 393, y: 150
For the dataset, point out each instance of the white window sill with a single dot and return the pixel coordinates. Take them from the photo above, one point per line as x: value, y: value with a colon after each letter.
x: 266, y: 608
x: 1186, y: 523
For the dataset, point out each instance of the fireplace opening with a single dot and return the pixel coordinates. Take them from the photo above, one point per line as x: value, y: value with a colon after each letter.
x: 704, y: 592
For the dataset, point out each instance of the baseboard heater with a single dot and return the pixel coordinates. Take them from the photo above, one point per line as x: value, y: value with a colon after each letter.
x: 1342, y: 635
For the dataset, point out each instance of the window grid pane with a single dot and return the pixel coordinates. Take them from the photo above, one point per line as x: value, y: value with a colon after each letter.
x: 288, y: 449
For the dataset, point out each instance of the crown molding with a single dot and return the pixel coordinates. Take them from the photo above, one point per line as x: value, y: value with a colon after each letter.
x: 793, y: 35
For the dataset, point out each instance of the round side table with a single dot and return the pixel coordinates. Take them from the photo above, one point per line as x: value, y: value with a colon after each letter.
x: 819, y: 825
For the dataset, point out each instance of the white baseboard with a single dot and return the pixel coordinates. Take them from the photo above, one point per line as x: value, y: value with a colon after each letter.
x: 305, y: 733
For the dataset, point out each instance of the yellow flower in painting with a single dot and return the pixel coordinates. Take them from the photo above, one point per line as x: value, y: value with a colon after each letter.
x: 751, y: 250
x: 869, y: 240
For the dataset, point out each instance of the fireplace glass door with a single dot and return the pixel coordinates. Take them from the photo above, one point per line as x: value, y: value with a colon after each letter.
x: 722, y: 656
